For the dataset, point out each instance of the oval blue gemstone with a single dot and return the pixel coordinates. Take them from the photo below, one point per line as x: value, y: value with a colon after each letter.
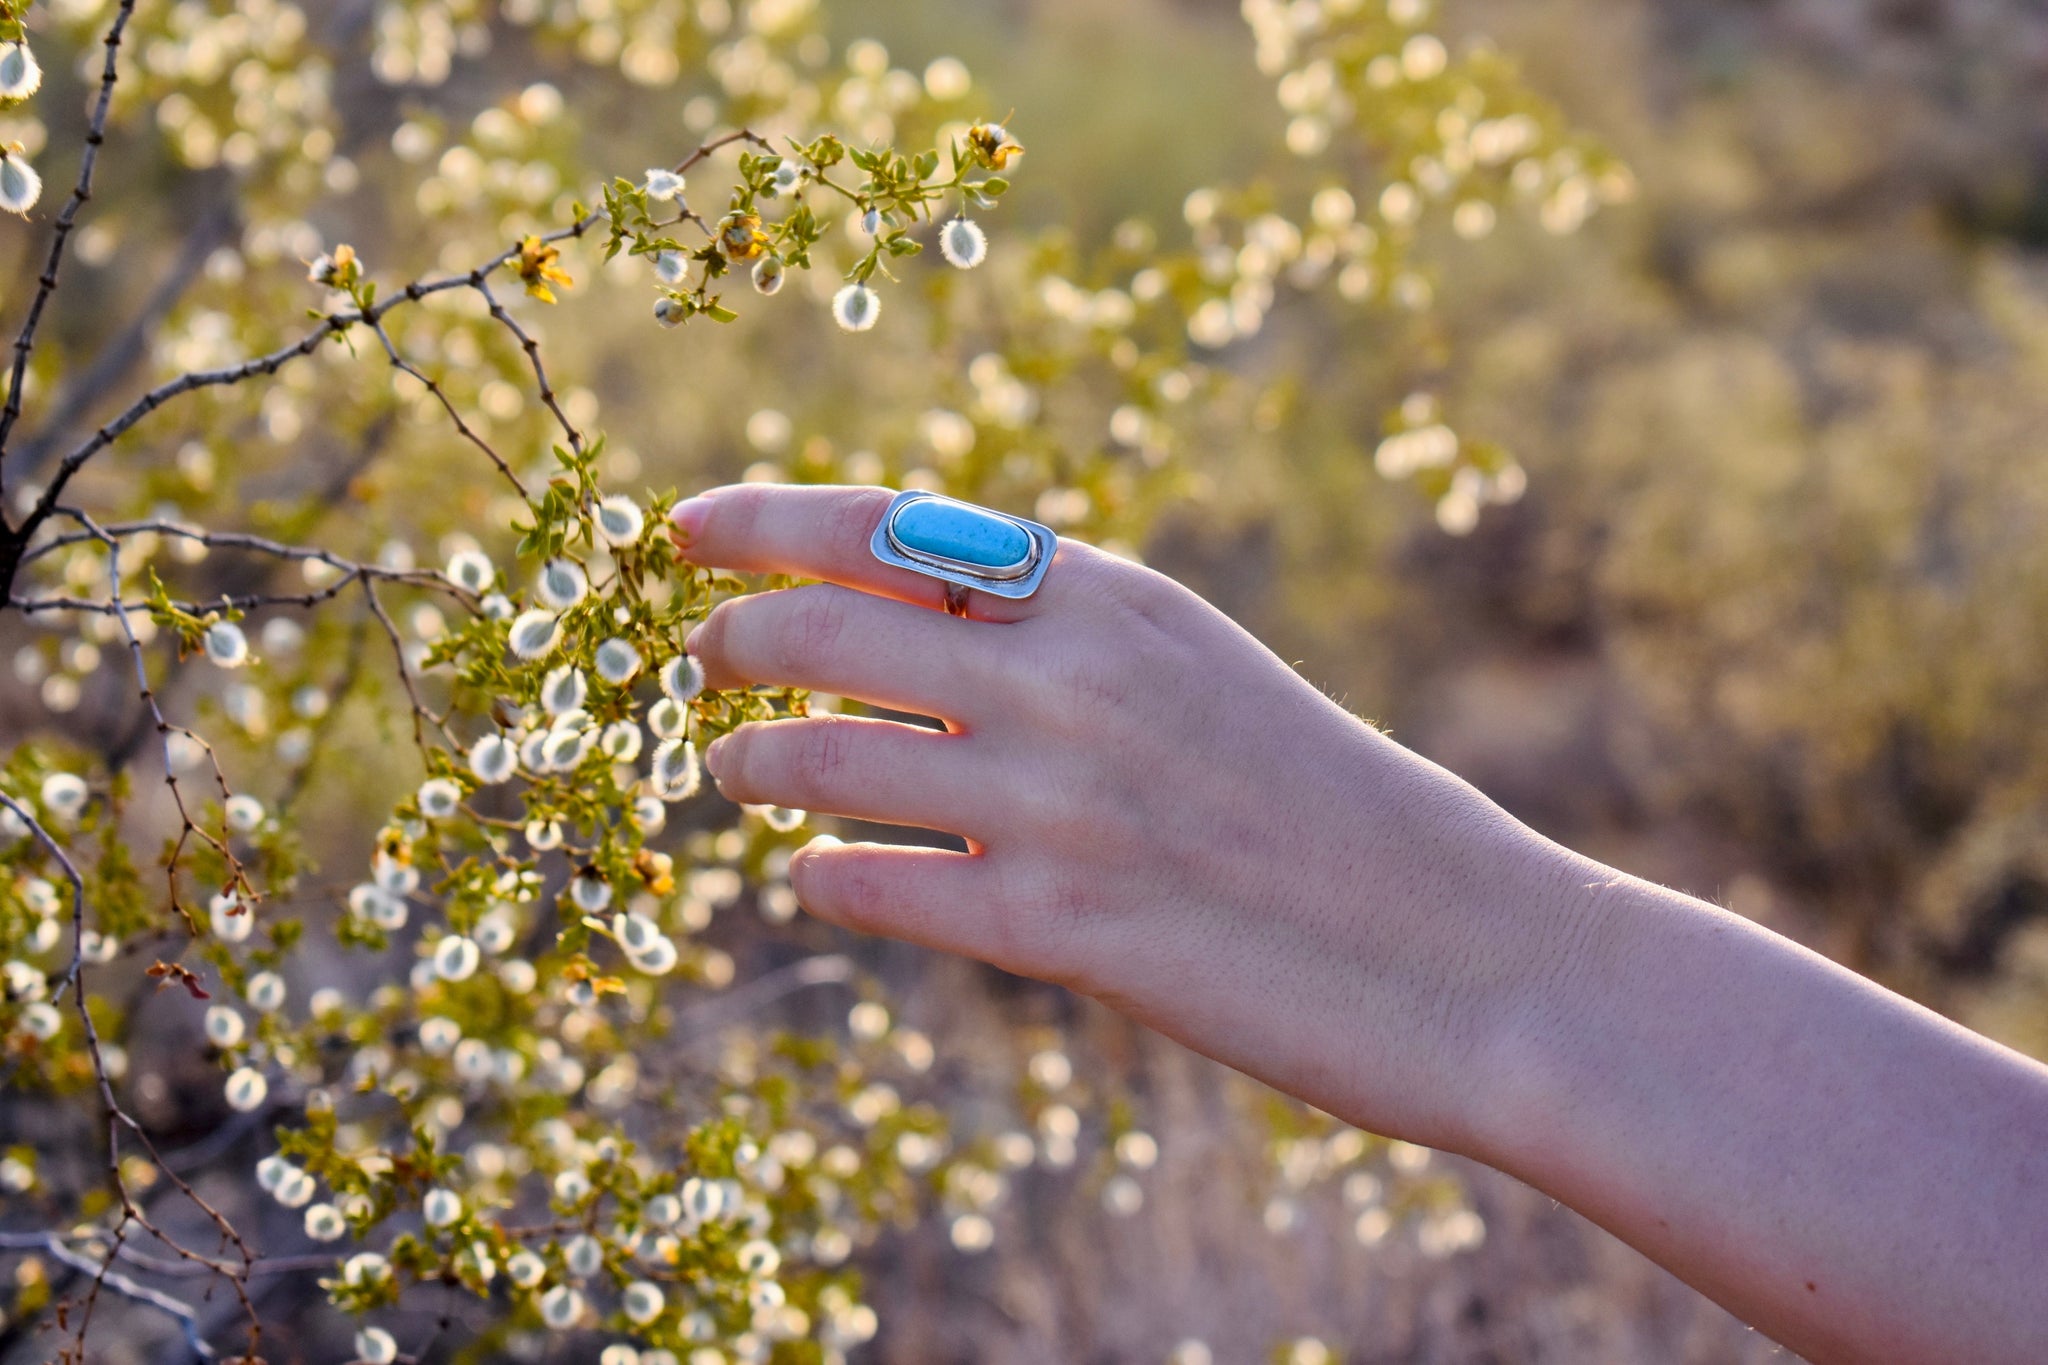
x: 942, y: 529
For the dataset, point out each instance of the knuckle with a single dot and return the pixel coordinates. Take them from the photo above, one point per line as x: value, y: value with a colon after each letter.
x: 1152, y: 597
x: 1037, y: 915
x: 824, y: 751
x: 859, y: 899
x: 851, y: 520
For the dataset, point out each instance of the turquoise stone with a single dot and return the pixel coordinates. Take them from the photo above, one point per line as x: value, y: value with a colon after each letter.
x: 937, y: 528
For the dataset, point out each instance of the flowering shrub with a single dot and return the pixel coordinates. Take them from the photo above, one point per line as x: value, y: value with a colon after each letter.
x: 506, y: 1050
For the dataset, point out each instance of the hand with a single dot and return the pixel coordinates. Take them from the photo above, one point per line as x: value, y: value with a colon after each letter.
x: 1161, y: 814
x: 1158, y: 811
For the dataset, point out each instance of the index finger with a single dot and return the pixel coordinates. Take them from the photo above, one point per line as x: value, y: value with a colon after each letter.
x: 816, y: 531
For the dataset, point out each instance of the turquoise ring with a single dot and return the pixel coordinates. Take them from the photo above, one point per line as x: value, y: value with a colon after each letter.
x: 964, y: 546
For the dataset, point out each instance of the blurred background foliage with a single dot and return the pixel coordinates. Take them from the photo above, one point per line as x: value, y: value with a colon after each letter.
x: 1767, y: 624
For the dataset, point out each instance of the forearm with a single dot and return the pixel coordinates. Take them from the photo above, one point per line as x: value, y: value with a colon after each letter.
x: 1850, y: 1173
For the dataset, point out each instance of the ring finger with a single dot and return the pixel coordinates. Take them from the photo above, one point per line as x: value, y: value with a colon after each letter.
x: 832, y: 639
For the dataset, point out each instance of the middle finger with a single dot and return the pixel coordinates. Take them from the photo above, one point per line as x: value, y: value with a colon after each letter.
x: 832, y: 639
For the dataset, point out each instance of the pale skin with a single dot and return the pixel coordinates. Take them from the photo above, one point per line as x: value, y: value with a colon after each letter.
x: 1161, y: 814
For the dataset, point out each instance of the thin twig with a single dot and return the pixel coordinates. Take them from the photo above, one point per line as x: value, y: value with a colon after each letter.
x: 399, y: 362
x: 95, y: 134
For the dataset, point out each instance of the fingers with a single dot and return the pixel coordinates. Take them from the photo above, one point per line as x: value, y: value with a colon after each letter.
x: 833, y: 639
x: 816, y: 532
x: 929, y: 896
x: 878, y: 770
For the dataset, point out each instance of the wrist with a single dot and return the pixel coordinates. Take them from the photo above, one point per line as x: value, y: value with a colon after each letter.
x: 1455, y: 943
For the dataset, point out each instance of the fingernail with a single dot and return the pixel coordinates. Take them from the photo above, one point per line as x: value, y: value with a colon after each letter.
x: 688, y: 519
x: 711, y: 756
x: 819, y: 843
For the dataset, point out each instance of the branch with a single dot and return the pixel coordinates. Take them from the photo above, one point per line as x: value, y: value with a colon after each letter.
x: 102, y: 1272
x: 334, y: 324
x: 399, y: 362
x: 95, y: 134
x: 105, y: 1277
x: 164, y: 728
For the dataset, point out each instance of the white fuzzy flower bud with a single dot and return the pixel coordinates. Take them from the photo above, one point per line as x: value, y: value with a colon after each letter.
x: 564, y: 690
x: 226, y: 645
x: 232, y: 919
x: 375, y: 1346
x: 667, y: 719
x: 295, y: 1189
x: 963, y: 243
x: 438, y: 1036
x: 246, y: 1089
x: 20, y: 74
x: 658, y: 958
x: 265, y: 992
x: 682, y: 679
x: 590, y: 891
x: 856, y: 307
x: 456, y: 958
x: 493, y: 759
x: 324, y: 1223
x: 439, y: 798
x: 41, y: 1021
x: 20, y: 186
x: 441, y: 1207
x: 584, y: 1255
x: 535, y: 634
x: 224, y: 1027
x: 365, y: 1267
x: 642, y: 1302
x: 664, y: 185
x: 64, y: 795
x: 675, y: 775
x: 648, y: 814
x: 760, y: 1257
x: 619, y: 520
x: 621, y: 740
x: 562, y: 583
x: 471, y: 571
x: 560, y: 1307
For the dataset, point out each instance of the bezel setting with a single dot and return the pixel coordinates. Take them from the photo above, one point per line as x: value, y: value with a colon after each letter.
x: 1014, y: 582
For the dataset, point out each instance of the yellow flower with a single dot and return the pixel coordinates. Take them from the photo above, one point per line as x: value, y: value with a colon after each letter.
x: 537, y: 267
x: 993, y: 146
x: 740, y: 237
